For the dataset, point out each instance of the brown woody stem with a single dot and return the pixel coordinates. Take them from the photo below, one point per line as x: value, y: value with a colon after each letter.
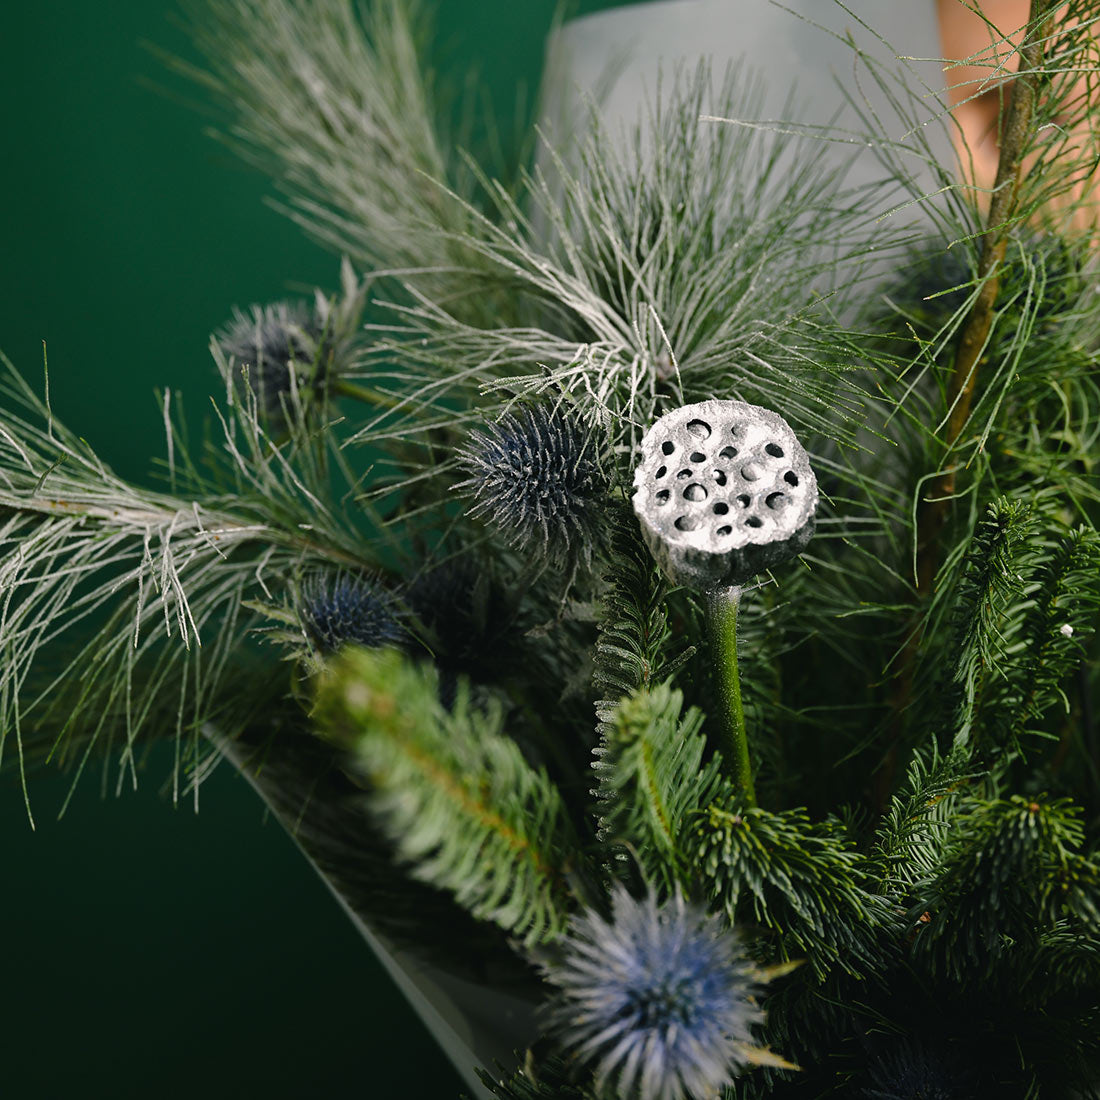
x: 962, y: 387
x: 975, y: 333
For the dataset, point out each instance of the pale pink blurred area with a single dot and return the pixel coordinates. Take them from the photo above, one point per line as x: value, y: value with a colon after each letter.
x: 982, y: 39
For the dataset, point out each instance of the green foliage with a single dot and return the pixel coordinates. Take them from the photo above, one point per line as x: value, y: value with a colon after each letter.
x: 696, y: 259
x: 910, y: 839
x: 632, y: 650
x: 1023, y: 611
x: 1063, y: 599
x: 331, y: 99
x: 138, y: 598
x: 992, y: 586
x: 804, y: 882
x: 944, y: 615
x: 453, y: 792
x: 301, y: 782
x: 652, y: 778
x: 1012, y: 873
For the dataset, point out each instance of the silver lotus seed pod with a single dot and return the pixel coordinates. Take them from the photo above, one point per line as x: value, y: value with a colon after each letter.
x: 723, y: 491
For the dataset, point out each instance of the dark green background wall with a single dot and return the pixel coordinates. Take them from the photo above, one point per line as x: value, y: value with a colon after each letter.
x: 145, y: 951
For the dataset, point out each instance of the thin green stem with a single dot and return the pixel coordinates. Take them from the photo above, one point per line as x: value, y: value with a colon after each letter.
x: 722, y: 604
x: 363, y: 393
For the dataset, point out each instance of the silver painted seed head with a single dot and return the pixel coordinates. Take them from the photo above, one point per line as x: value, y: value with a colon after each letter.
x: 723, y: 491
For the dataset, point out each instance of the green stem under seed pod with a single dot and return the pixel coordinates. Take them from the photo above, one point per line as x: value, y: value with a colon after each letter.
x: 722, y: 604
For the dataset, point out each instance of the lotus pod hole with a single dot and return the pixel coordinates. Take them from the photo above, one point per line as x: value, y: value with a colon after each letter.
x: 743, y: 501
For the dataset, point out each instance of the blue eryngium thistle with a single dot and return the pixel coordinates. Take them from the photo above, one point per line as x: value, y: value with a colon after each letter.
x: 294, y: 346
x: 659, y: 1000
x: 269, y: 342
x: 340, y: 609
x: 910, y: 1068
x: 537, y: 475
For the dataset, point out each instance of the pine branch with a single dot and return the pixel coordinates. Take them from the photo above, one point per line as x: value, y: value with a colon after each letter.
x: 334, y: 101
x: 665, y: 273
x: 1062, y: 619
x: 454, y: 793
x: 1016, y: 138
x: 1040, y: 158
x: 143, y: 592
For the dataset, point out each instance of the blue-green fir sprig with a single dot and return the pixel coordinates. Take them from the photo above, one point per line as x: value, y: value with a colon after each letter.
x: 654, y: 774
x: 802, y: 885
x: 453, y: 791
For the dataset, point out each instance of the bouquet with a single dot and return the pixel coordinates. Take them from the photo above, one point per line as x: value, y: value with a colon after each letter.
x: 656, y: 589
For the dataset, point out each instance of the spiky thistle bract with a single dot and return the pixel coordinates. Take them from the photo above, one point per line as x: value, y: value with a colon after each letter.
x: 537, y: 475
x: 658, y: 1000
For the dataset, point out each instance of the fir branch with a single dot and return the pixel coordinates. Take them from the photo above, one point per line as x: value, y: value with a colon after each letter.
x: 992, y: 583
x: 632, y: 651
x: 803, y: 881
x: 1057, y: 621
x: 651, y: 779
x: 1012, y: 871
x: 453, y: 792
x: 910, y: 838
x: 973, y: 366
x: 1024, y: 607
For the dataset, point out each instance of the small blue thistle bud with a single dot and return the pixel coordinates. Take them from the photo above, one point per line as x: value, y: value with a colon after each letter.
x: 537, y: 475
x: 341, y: 609
x: 286, y: 341
x: 269, y: 342
x: 909, y: 1069
x: 658, y: 1000
x: 466, y: 613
